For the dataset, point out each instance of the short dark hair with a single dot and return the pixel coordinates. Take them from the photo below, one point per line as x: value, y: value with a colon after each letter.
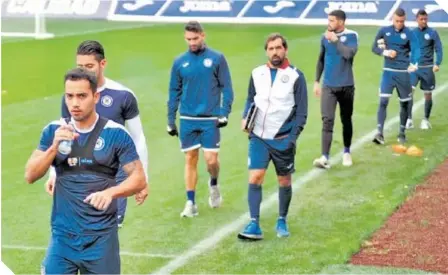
x: 91, y: 47
x: 339, y: 14
x: 400, y: 12
x: 421, y: 12
x: 194, y: 26
x: 77, y: 74
x: 275, y: 36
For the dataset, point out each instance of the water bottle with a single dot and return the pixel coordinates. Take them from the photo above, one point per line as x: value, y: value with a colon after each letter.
x: 65, y: 146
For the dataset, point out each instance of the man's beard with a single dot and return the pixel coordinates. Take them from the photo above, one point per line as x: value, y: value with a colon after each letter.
x: 277, y: 62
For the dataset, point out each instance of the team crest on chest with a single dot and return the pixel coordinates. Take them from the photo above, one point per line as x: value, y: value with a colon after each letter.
x: 285, y: 78
x: 208, y: 62
x: 427, y: 36
x: 72, y: 161
x: 99, y: 144
x: 343, y: 38
x: 403, y: 36
x: 107, y: 101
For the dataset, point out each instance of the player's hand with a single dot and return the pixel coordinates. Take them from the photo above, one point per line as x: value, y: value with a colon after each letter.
x: 392, y: 54
x: 243, y: 126
x: 331, y: 36
x: 412, y: 68
x: 64, y: 132
x: 317, y: 89
x: 222, y: 122
x: 172, y: 130
x: 435, y: 68
x: 100, y: 200
x: 141, y: 196
x: 49, y: 185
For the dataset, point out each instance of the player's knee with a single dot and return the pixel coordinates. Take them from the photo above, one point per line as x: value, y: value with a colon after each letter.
x: 284, y: 181
x: 384, y: 101
x: 404, y: 104
x: 257, y: 176
x: 328, y: 124
x: 211, y: 159
x: 191, y: 157
x: 428, y: 96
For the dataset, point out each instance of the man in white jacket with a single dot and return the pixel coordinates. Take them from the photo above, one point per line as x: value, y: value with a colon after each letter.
x: 117, y: 103
x: 277, y: 104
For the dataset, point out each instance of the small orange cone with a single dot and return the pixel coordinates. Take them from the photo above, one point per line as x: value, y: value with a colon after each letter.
x: 399, y: 148
x: 414, y: 151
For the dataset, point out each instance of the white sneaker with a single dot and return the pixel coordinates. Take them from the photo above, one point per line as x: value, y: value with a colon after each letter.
x: 215, y: 198
x: 190, y: 210
x: 425, y: 125
x: 321, y: 162
x: 409, y: 124
x: 347, y: 159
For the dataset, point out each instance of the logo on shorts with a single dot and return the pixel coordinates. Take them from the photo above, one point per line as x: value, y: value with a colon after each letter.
x: 285, y: 78
x: 99, y: 144
x: 208, y: 62
x: 42, y: 270
x: 72, y: 162
x: 427, y: 37
x: 403, y: 36
x: 343, y: 38
x: 106, y: 101
x: 248, y: 161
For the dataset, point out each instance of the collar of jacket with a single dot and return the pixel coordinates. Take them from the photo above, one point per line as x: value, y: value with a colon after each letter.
x: 284, y: 65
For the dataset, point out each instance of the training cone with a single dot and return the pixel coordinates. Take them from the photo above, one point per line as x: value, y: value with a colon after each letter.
x: 399, y: 148
x: 414, y: 151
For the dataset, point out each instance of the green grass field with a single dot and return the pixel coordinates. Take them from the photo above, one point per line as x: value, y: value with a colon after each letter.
x: 332, y: 212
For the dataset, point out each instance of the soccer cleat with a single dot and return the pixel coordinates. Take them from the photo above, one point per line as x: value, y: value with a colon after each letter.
x: 425, y: 125
x: 378, y: 139
x: 282, y: 228
x: 347, y: 159
x: 409, y: 124
x: 322, y: 162
x: 215, y: 198
x: 401, y: 138
x: 190, y: 210
x: 251, y: 232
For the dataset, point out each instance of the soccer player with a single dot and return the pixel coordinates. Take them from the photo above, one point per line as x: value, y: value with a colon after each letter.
x: 339, y: 46
x: 429, y: 42
x: 117, y: 103
x: 279, y: 93
x: 399, y: 46
x: 84, y: 232
x: 199, y: 78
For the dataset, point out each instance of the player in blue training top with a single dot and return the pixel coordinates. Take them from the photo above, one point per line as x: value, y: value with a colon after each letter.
x: 338, y: 48
x: 399, y: 46
x: 279, y: 93
x: 199, y: 78
x: 84, y: 232
x: 117, y: 103
x: 429, y: 41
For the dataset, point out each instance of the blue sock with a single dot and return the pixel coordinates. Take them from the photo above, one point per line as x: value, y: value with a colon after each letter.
x: 213, y: 181
x: 254, y: 198
x: 284, y: 199
x: 190, y: 196
x: 347, y: 150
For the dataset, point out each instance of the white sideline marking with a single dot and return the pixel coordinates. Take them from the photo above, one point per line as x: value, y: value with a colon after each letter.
x: 211, y: 241
x: 122, y: 253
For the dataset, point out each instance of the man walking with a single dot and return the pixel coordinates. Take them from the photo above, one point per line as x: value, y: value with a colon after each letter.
x: 338, y: 48
x: 275, y: 115
x: 199, y: 79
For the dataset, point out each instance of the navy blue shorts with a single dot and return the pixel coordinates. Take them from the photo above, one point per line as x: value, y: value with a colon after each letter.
x: 197, y: 133
x: 281, y: 151
x: 68, y: 254
x: 401, y: 81
x: 426, y: 78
